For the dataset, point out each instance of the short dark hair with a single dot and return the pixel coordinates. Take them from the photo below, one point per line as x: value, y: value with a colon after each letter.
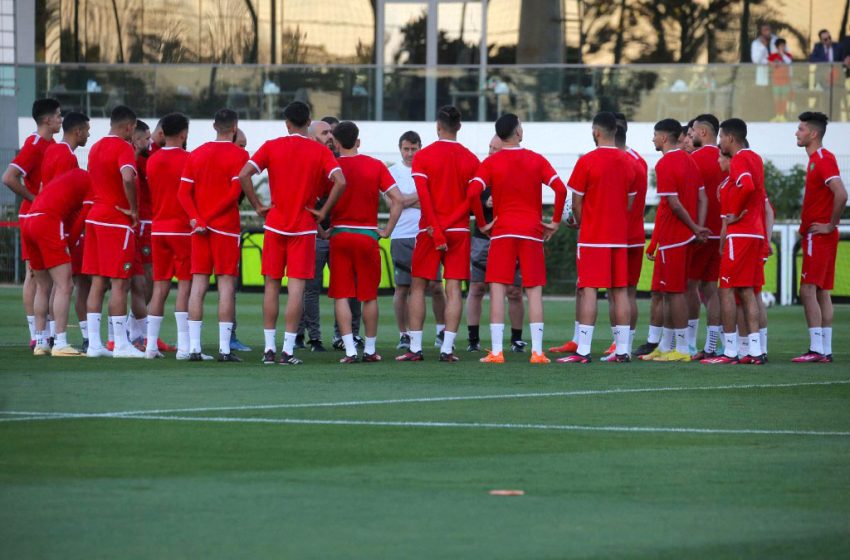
x: 73, y: 120
x: 44, y: 108
x: 298, y: 113
x: 620, y: 136
x: 346, y: 134
x: 174, y: 123
x: 121, y: 114
x: 735, y: 128
x: 410, y: 136
x: 331, y: 120
x: 780, y: 41
x: 671, y: 127
x: 225, y: 119
x: 621, y: 120
x: 822, y: 31
x: 449, y: 117
x: 606, y: 121
x: 708, y: 119
x: 506, y: 125
x: 815, y: 120
x: 142, y: 126
x: 690, y: 125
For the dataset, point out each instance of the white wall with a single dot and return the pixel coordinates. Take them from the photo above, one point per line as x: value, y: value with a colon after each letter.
x: 562, y: 143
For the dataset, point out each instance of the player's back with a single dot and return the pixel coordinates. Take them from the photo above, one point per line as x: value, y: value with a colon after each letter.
x: 58, y: 158
x: 107, y: 159
x: 448, y: 167
x: 608, y: 175
x: 63, y: 196
x: 516, y: 184
x: 143, y: 192
x: 636, y: 233
x: 712, y: 175
x: 365, y: 178
x: 164, y: 170
x: 214, y: 166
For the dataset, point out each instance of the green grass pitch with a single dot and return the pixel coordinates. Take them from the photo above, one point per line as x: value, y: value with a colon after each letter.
x: 160, y: 459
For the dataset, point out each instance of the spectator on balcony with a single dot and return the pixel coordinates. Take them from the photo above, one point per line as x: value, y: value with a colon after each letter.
x: 827, y: 51
x: 760, y: 49
x: 780, y: 65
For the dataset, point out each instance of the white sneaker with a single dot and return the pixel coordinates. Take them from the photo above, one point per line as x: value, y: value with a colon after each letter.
x: 184, y: 356
x: 128, y: 352
x: 101, y: 352
x: 153, y: 354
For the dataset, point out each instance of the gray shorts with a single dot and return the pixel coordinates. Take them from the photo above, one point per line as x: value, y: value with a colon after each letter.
x: 478, y: 261
x: 401, y: 251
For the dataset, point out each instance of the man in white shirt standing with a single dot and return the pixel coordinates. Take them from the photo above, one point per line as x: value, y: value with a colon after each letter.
x: 403, y: 239
x: 761, y: 48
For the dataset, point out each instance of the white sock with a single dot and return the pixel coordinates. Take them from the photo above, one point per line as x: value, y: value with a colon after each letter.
x: 224, y: 332
x: 84, y: 328
x: 827, y: 341
x: 110, y: 331
x: 60, y: 340
x: 631, y: 340
x: 711, y: 338
x: 51, y: 328
x: 682, y: 341
x: 666, y: 344
x: 119, y: 327
x: 348, y: 340
x: 743, y: 346
x: 497, y: 335
x: 575, y: 333
x: 289, y: 342
x: 816, y: 340
x: 195, y: 336
x: 621, y: 339
x: 369, y: 346
x: 93, y: 330
x: 133, y: 327
x: 415, y: 341
x: 270, y: 335
x: 693, y: 330
x: 31, y: 325
x: 755, y: 344
x: 438, y: 328
x: 763, y: 340
x: 536, y: 337
x: 585, y: 337
x: 448, y: 342
x: 730, y: 345
x: 40, y: 339
x: 654, y: 336
x: 182, y: 320
x: 154, y: 324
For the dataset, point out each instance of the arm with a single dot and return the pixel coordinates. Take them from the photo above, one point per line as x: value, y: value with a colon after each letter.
x: 410, y: 201
x: 13, y: 178
x: 128, y: 176
x: 769, y: 220
x: 551, y: 227
x: 396, y: 200
x: 427, y: 206
x: 578, y: 200
x: 702, y: 207
x: 679, y: 211
x: 738, y: 204
x: 228, y: 199
x: 473, y: 196
x: 248, y: 171
x: 839, y: 201
x: 336, y: 191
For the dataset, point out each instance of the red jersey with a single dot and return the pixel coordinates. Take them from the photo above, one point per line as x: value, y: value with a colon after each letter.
x: 709, y: 168
x: 745, y: 191
x: 818, y: 199
x: 28, y: 162
x: 676, y: 174
x: 442, y: 172
x: 637, y: 235
x: 365, y: 179
x: 604, y: 178
x: 143, y: 191
x: 298, y: 172
x: 64, y: 196
x: 515, y: 176
x: 58, y: 158
x: 107, y: 158
x: 209, y: 185
x: 165, y: 168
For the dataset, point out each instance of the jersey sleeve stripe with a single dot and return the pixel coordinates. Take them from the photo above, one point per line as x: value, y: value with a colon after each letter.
x: 555, y: 176
x: 186, y: 179
x: 133, y: 167
x: 480, y: 180
x: 19, y: 168
x: 257, y: 167
x: 391, y: 187
x: 741, y: 176
x: 831, y: 178
x: 575, y: 192
x: 419, y: 175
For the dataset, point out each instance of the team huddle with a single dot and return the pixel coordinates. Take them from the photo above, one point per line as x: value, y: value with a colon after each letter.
x: 147, y: 212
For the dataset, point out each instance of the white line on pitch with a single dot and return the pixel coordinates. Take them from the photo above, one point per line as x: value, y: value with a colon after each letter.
x: 484, y: 425
x: 578, y: 393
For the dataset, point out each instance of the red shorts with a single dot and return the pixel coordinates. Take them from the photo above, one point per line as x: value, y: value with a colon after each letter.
x: 502, y: 262
x: 355, y: 263
x: 109, y: 250
x: 819, y: 253
x: 144, y: 254
x: 216, y: 252
x: 635, y: 264
x: 742, y: 263
x: 77, y: 256
x: 44, y: 238
x: 670, y: 273
x: 293, y: 256
x: 172, y: 257
x: 602, y: 267
x: 455, y: 259
x: 705, y: 261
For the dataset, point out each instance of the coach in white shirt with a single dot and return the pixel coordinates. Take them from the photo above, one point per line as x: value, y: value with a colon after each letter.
x: 761, y: 48
x: 403, y: 239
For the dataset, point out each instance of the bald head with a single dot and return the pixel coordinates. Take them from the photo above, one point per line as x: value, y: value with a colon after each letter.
x: 320, y: 131
x: 240, y: 139
x: 496, y: 144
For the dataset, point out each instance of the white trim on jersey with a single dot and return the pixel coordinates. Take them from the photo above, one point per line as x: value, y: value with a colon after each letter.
x: 334, y: 170
x: 257, y: 167
x: 831, y: 178
x: 286, y: 233
x: 19, y: 168
x: 131, y: 166
x: 187, y: 179
x: 680, y: 244
x: 517, y: 237
x: 480, y: 180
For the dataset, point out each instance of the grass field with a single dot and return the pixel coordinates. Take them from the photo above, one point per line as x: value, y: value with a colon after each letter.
x: 141, y: 459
